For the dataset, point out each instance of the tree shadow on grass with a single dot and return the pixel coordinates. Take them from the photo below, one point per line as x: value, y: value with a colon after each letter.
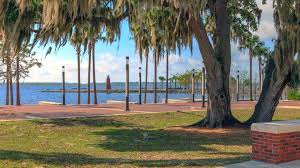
x: 91, y: 122
x: 70, y: 159
x: 141, y: 140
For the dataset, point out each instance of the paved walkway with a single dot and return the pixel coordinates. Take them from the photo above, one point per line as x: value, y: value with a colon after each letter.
x: 58, y: 111
x: 258, y: 164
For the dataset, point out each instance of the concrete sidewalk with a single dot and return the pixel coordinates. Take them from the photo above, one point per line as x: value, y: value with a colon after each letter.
x: 24, y: 112
x: 258, y: 164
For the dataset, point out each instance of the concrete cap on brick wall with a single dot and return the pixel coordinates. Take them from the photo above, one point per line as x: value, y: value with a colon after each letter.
x: 277, y: 127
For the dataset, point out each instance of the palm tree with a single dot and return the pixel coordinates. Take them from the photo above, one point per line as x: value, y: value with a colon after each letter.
x: 18, y: 101
x: 94, y: 71
x: 76, y: 40
x: 167, y: 78
x: 256, y: 49
x: 78, y: 51
x: 259, y: 74
x: 259, y: 50
x: 11, y: 89
x: 146, y: 77
x: 250, y: 73
x: 24, y: 56
x: 174, y: 78
x: 157, y: 32
x: 162, y: 79
x: 89, y: 72
x: 155, y: 75
x: 7, y: 81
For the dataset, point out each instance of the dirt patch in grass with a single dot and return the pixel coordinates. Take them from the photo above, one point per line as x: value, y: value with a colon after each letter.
x: 208, y: 132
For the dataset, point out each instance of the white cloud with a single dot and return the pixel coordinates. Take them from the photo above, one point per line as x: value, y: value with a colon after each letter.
x: 107, y: 64
x: 266, y: 29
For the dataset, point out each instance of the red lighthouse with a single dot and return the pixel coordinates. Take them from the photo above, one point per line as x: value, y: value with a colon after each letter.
x: 108, y: 84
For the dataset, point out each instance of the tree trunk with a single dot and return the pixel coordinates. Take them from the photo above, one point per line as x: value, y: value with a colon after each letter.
x: 7, y: 81
x: 255, y: 88
x: 175, y: 84
x: 94, y: 74
x: 272, y: 89
x: 78, y: 75
x: 260, y: 76
x: 146, y: 80
x: 250, y: 74
x: 243, y: 89
x: 167, y: 78
x: 89, y: 72
x: 11, y: 89
x: 155, y: 76
x: 217, y: 61
x: 18, y: 101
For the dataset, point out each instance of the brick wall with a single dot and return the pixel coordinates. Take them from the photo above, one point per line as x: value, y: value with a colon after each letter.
x: 275, y: 148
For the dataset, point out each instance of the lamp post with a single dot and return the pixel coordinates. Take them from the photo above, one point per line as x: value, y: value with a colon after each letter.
x: 140, y: 85
x: 255, y: 88
x: 203, y: 86
x: 238, y: 86
x: 63, y: 85
x: 193, y: 85
x: 127, y: 85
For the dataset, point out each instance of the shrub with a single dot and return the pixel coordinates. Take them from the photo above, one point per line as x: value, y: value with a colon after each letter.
x: 293, y: 94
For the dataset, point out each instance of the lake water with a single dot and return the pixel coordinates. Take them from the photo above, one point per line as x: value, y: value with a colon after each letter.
x: 31, y: 93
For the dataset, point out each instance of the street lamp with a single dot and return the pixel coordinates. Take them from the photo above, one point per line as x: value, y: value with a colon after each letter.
x: 127, y: 85
x: 203, y: 86
x: 140, y: 85
x: 238, y: 86
x: 193, y: 85
x: 64, y: 85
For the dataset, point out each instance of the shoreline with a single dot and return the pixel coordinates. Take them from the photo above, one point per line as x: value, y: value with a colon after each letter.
x: 122, y: 91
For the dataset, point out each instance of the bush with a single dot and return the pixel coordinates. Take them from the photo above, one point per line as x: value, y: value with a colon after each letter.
x: 293, y: 94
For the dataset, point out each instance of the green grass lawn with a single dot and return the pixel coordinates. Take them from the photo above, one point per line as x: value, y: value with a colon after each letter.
x: 123, y: 141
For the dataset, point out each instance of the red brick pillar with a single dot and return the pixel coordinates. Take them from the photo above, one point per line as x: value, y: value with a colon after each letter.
x: 276, y: 142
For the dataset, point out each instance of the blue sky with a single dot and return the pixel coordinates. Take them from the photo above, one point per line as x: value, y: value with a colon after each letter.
x: 110, y: 58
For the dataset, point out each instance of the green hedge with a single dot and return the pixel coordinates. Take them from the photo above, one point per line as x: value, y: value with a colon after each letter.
x: 293, y: 94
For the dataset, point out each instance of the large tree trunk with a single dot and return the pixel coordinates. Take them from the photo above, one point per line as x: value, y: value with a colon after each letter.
x: 18, y: 101
x: 94, y: 74
x: 146, y: 79
x: 272, y: 90
x: 250, y: 74
x: 78, y: 75
x: 218, y: 110
x: 89, y: 72
x: 155, y: 75
x: 167, y: 78
x: 217, y: 61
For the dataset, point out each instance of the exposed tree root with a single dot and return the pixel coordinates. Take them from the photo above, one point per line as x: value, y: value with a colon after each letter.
x: 227, y: 122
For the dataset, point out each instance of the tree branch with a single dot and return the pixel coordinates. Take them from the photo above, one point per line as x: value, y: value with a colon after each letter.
x: 201, y: 36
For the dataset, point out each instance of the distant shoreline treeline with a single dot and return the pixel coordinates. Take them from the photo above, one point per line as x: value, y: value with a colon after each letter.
x: 68, y: 83
x: 123, y: 91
